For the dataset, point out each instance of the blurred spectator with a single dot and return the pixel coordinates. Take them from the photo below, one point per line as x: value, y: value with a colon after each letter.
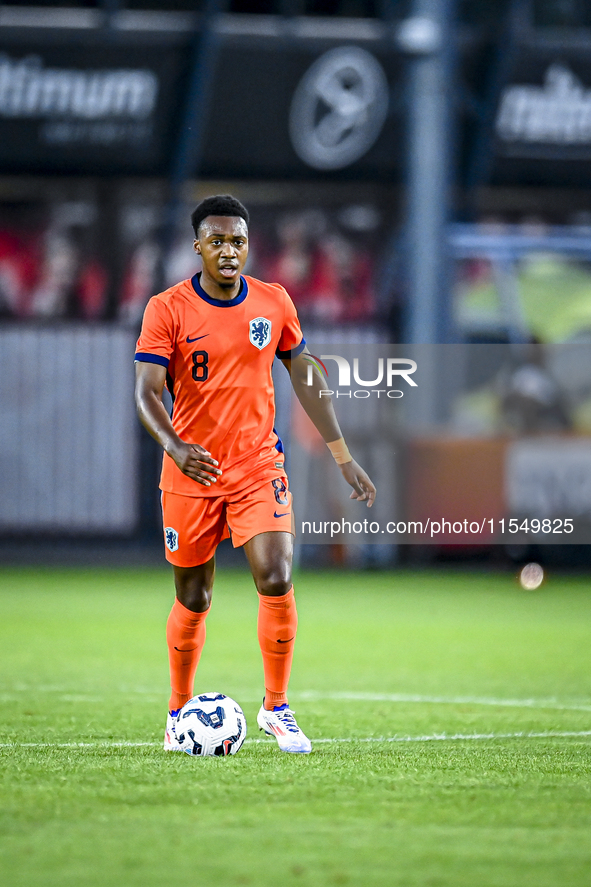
x: 139, y: 279
x: 17, y: 273
x: 531, y: 400
x: 52, y: 268
x: 21, y: 226
x: 293, y: 263
x: 71, y: 283
x: 328, y: 276
x: 49, y: 268
x: 352, y: 279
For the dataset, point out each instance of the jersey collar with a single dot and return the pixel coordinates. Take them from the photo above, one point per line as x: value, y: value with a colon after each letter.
x: 220, y: 303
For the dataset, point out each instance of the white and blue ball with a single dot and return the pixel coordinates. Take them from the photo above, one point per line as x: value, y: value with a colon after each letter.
x: 210, y: 725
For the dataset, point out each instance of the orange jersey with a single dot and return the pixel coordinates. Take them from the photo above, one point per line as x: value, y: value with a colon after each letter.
x: 218, y: 356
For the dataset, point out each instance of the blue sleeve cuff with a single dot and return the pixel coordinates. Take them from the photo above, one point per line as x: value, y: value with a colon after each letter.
x: 291, y: 352
x: 144, y: 357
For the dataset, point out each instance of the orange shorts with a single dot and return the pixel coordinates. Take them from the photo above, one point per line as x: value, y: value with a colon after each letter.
x: 194, y: 526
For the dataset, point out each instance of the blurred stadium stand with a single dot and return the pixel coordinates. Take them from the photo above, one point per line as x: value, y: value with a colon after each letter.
x: 452, y: 204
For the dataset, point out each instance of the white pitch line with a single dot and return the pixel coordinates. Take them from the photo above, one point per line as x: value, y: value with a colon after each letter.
x: 81, y: 745
x: 454, y: 737
x: 435, y: 737
x: 345, y: 696
x: 311, y: 696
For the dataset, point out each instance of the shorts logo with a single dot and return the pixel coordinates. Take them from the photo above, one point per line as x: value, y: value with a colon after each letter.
x: 171, y: 538
x: 259, y: 332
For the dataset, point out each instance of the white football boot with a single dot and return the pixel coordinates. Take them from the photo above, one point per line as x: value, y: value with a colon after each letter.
x: 281, y: 724
x: 170, y: 740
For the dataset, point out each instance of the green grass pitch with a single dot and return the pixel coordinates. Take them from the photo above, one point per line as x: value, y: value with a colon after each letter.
x: 450, y: 715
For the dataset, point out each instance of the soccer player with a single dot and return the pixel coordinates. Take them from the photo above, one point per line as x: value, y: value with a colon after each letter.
x: 212, y: 340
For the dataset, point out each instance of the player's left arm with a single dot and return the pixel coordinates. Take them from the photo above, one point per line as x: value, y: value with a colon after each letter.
x: 322, y: 414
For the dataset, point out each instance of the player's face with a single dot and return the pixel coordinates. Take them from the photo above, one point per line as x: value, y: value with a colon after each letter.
x: 223, y: 247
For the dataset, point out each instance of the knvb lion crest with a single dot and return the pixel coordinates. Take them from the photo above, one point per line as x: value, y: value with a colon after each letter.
x: 171, y: 537
x: 259, y: 331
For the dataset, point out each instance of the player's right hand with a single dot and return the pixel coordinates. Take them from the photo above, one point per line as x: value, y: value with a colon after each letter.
x: 196, y: 462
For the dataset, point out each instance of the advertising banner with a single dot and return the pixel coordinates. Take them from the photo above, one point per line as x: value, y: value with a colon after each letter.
x: 542, y: 131
x: 87, y: 107
x: 283, y: 104
x: 87, y: 103
x: 313, y: 109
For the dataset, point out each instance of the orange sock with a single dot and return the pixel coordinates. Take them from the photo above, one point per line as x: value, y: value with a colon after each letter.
x: 185, y: 636
x: 277, y: 626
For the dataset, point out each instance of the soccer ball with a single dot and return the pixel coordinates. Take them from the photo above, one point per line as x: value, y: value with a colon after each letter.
x: 210, y: 724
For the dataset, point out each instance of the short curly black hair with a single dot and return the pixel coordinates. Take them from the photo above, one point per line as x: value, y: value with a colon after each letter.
x: 218, y: 205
